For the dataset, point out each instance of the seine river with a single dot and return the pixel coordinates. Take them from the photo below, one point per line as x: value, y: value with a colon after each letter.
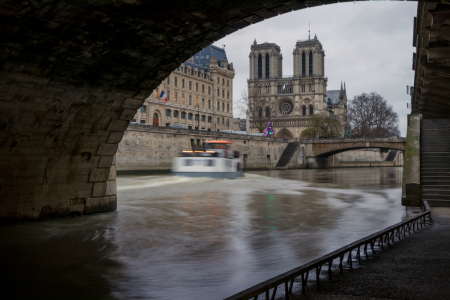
x: 184, y: 238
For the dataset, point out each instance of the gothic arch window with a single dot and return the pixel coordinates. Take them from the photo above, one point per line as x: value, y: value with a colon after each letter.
x: 259, y: 66
x: 267, y: 66
x: 304, y: 110
x: 310, y: 63
x: 267, y: 112
x: 311, y: 110
x: 303, y: 64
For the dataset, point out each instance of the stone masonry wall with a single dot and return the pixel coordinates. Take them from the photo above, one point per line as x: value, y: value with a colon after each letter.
x: 153, y: 148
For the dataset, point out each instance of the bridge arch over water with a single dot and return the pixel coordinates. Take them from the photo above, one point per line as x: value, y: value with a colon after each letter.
x: 74, y: 73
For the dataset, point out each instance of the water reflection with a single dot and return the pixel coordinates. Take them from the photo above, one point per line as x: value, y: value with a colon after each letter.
x: 175, y: 237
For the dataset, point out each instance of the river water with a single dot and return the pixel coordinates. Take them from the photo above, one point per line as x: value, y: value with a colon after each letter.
x: 197, y: 238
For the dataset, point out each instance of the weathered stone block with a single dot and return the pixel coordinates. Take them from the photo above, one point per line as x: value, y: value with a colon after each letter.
x: 107, y: 149
x: 99, y: 189
x: 115, y: 137
x: 118, y: 125
x: 111, y: 188
x: 106, y: 161
x: 112, y: 173
x: 127, y: 114
x: 98, y: 175
x: 100, y: 204
x: 132, y: 103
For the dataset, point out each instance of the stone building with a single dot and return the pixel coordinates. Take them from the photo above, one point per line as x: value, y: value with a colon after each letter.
x: 289, y: 101
x: 199, y: 92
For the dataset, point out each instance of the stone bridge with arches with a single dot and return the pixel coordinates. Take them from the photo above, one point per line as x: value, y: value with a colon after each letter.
x: 315, y: 152
x: 73, y: 73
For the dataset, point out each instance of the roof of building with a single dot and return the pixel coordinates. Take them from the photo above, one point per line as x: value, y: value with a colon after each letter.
x: 203, y: 57
x: 333, y: 96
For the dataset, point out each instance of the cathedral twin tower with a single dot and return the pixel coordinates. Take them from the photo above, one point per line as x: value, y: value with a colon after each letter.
x: 289, y: 101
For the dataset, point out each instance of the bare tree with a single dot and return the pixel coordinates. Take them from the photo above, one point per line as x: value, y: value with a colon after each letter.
x: 258, y: 109
x: 370, y: 115
x: 322, y: 126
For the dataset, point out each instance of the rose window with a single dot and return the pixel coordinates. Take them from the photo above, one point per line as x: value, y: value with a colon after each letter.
x: 286, y: 107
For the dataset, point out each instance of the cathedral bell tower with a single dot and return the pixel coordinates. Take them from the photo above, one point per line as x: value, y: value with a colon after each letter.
x: 265, y: 61
x: 309, y: 59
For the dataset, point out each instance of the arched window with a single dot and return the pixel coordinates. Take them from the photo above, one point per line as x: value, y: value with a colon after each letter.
x: 311, y: 110
x: 303, y: 64
x: 310, y: 63
x: 209, y: 119
x: 267, y: 112
x: 304, y: 110
x: 267, y: 66
x: 260, y: 113
x: 155, y: 119
x: 183, y: 115
x: 189, y: 116
x: 168, y: 112
x: 259, y: 66
x: 175, y: 113
x: 203, y: 118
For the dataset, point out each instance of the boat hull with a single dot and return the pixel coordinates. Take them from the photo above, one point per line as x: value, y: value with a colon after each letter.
x: 229, y: 175
x: 215, y: 167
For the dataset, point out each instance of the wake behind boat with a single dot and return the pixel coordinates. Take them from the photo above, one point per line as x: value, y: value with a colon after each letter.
x: 216, y: 160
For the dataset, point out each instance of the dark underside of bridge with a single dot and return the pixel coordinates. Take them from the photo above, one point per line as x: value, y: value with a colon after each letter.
x: 73, y: 74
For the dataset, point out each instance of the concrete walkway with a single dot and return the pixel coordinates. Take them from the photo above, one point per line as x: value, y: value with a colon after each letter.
x: 418, y: 267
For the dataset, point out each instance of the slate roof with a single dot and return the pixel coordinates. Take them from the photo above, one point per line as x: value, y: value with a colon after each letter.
x: 333, y: 95
x: 203, y: 57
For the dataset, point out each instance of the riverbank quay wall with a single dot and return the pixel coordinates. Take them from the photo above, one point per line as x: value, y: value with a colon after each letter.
x: 151, y: 149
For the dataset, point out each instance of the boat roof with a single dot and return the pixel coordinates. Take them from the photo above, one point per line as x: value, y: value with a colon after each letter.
x: 218, y: 142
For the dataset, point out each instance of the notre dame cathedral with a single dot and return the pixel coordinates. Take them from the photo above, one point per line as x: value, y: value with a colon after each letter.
x: 289, y: 101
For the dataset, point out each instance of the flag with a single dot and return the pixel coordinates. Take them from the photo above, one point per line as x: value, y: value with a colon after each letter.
x: 163, y: 95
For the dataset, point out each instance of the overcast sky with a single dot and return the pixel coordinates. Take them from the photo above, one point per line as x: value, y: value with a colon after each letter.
x: 367, y: 44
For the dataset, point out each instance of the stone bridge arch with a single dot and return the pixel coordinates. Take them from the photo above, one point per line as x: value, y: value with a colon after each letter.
x: 73, y: 75
x: 325, y: 150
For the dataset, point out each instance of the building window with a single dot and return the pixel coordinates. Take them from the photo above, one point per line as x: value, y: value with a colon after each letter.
x: 168, y: 112
x: 183, y: 99
x: 183, y: 115
x: 196, y: 101
x: 167, y: 124
x: 259, y: 66
x: 175, y: 113
x: 228, y: 83
x: 209, y: 90
x: 209, y: 104
x: 228, y: 108
x: 196, y: 87
x: 142, y: 121
x: 223, y: 82
x: 218, y: 105
x: 223, y: 121
x: 303, y: 64
x: 304, y: 110
x: 267, y: 112
x: 218, y: 121
x: 223, y: 106
x: 176, y: 95
x: 143, y: 109
x: 203, y: 88
x: 228, y: 123
x: 207, y: 56
x: 175, y: 81
x: 190, y: 100
x: 228, y: 94
x: 267, y: 66
x: 168, y: 95
x: 203, y: 118
x: 218, y: 80
x: 310, y: 63
x: 133, y: 120
x: 203, y: 102
x: 189, y: 116
x: 218, y: 92
x: 168, y: 80
x: 196, y: 117
x: 190, y: 85
x: 311, y: 110
x: 182, y: 83
x: 156, y: 93
x: 223, y: 94
x: 209, y: 119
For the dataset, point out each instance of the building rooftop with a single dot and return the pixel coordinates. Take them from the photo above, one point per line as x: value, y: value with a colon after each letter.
x: 203, y: 57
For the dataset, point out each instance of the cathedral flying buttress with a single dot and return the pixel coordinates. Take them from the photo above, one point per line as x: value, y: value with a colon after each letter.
x: 291, y: 100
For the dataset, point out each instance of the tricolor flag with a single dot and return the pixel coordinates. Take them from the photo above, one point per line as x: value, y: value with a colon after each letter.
x: 163, y: 95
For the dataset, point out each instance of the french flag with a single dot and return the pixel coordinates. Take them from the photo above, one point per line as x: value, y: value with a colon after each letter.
x: 163, y: 95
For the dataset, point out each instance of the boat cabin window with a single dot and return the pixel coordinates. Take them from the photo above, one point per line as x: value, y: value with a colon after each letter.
x: 217, y: 146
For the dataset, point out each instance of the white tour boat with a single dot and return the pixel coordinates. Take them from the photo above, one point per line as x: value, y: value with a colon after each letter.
x: 216, y: 160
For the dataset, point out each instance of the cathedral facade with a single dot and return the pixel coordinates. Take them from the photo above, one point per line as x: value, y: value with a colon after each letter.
x: 289, y: 101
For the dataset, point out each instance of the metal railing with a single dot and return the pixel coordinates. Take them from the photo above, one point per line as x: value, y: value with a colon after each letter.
x: 383, y: 237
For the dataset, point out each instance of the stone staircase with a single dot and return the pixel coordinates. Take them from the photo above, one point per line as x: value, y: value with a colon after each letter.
x: 287, y: 154
x: 391, y: 156
x: 435, y: 161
